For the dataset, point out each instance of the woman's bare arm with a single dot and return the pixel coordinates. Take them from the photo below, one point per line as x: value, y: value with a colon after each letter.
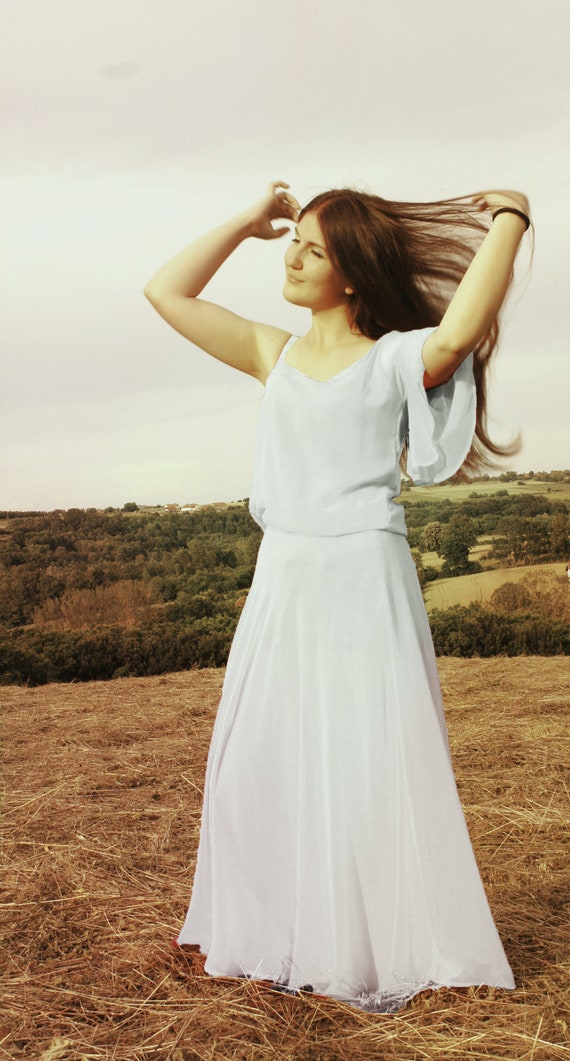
x: 244, y: 344
x: 481, y: 292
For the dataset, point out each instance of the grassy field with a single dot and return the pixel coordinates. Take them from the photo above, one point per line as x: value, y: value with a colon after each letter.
x: 103, y: 791
x: 467, y: 589
x: 462, y: 491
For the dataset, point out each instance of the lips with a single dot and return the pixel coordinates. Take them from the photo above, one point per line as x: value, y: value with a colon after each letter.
x: 294, y: 279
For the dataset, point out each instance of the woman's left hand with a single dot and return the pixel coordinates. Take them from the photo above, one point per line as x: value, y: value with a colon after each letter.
x: 493, y: 200
x: 480, y: 294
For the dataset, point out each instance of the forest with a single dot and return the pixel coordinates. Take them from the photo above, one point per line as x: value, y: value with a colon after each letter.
x: 88, y: 594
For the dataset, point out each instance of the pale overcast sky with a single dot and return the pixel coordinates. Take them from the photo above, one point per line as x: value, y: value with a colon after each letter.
x: 131, y: 127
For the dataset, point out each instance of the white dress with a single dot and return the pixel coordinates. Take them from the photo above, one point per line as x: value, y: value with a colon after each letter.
x: 333, y: 848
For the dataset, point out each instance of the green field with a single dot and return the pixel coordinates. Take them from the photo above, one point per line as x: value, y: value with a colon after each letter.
x: 469, y: 589
x: 463, y: 491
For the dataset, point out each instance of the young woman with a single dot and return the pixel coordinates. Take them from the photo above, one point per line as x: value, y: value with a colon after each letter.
x: 333, y: 851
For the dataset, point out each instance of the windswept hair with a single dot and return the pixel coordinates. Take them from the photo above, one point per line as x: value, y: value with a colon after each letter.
x: 404, y: 262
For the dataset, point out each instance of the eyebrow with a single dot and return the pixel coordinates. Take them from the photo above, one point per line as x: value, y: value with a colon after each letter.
x: 310, y: 243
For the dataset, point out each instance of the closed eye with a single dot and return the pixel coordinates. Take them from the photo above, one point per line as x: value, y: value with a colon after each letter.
x: 296, y: 239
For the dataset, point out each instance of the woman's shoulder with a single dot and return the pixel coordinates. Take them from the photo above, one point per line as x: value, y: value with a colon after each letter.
x: 271, y: 344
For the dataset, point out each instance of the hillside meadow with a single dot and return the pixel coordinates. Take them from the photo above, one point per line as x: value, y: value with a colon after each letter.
x: 466, y: 589
x: 103, y: 789
x: 559, y: 491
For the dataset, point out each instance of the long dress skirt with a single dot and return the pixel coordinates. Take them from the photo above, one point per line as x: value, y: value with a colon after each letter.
x: 333, y: 849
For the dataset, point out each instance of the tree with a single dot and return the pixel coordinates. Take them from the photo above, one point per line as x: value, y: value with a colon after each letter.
x: 420, y: 571
x: 431, y: 537
x: 558, y: 533
x: 457, y: 538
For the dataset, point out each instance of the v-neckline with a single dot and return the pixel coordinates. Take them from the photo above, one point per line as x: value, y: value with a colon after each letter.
x: 329, y: 379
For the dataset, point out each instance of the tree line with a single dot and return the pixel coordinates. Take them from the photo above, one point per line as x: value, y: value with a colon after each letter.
x: 87, y: 595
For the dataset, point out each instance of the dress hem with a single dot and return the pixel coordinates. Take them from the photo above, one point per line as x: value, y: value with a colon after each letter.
x: 388, y: 1001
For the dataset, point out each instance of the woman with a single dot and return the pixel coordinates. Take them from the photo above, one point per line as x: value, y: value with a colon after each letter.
x: 333, y: 852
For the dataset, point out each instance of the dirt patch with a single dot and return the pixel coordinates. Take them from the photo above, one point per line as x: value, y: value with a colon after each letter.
x: 103, y: 791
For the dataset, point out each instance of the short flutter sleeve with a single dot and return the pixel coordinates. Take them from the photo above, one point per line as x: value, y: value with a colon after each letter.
x: 441, y: 421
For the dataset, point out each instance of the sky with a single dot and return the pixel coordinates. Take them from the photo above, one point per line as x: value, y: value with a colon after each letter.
x: 129, y: 127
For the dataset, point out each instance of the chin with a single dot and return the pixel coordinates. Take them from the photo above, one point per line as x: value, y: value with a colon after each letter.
x: 287, y: 297
x: 293, y: 295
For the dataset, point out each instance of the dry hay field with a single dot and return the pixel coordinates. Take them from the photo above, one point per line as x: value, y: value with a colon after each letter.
x: 101, y: 816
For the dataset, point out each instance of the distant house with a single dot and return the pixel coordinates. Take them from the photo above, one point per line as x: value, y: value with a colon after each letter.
x: 190, y: 507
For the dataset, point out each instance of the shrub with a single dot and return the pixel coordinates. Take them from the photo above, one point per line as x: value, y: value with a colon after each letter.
x: 124, y: 603
x: 477, y: 631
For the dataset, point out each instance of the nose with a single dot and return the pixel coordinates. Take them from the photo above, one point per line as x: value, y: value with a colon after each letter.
x: 293, y: 257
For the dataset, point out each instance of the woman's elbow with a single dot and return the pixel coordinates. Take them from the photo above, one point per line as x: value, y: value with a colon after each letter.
x: 441, y: 355
x: 152, y: 293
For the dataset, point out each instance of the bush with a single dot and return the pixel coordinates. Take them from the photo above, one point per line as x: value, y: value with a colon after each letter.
x: 33, y: 657
x: 477, y: 631
x: 122, y: 603
x: 540, y: 593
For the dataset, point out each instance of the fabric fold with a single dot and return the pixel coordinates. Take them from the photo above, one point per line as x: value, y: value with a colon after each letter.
x: 441, y: 421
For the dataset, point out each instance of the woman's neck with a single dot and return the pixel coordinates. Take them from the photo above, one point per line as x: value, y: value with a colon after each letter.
x: 330, y: 329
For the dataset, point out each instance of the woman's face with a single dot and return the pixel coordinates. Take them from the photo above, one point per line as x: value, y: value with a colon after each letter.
x: 311, y: 279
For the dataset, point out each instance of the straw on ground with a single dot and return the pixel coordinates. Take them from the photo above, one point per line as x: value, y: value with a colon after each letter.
x: 101, y: 821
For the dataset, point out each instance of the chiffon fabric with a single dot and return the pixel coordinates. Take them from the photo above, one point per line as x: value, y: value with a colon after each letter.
x: 333, y: 848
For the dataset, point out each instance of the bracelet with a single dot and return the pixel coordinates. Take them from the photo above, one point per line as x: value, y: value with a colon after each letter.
x: 511, y: 210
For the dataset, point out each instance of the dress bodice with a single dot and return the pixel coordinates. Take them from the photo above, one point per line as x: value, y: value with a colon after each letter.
x: 327, y: 453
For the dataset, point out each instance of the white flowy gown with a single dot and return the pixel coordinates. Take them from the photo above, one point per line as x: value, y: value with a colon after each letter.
x: 333, y: 848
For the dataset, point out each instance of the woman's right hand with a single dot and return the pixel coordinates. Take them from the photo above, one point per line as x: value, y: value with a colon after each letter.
x: 174, y: 290
x: 277, y: 203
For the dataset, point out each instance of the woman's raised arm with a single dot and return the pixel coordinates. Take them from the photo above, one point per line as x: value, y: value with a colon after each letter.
x: 173, y: 291
x: 481, y: 292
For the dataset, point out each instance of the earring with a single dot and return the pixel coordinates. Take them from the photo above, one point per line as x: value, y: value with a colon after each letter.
x: 348, y: 291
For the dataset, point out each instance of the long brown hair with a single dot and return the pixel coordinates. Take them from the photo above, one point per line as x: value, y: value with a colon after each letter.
x: 404, y: 262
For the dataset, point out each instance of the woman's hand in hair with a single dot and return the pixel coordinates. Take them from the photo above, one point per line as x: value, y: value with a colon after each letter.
x: 175, y: 289
x: 479, y: 297
x: 277, y: 203
x: 494, y: 200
